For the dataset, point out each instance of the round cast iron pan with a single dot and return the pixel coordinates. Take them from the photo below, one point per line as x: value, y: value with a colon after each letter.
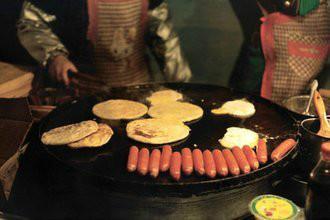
x: 108, y: 163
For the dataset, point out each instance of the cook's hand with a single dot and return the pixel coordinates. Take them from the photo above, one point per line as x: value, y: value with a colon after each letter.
x: 59, y: 67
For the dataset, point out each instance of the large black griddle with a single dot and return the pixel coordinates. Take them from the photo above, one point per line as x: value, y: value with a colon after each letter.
x: 108, y: 163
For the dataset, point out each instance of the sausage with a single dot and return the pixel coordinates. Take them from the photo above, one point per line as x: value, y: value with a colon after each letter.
x: 209, y: 164
x: 154, y: 163
x: 251, y: 157
x: 187, y: 161
x: 241, y: 160
x: 262, y: 152
x: 231, y: 162
x: 282, y: 149
x: 220, y: 163
x: 165, y: 158
x: 198, y: 162
x: 175, y: 167
x: 143, y: 161
x: 132, y: 161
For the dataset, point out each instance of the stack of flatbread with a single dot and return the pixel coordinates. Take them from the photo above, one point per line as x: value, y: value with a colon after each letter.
x: 168, y: 114
x: 79, y: 135
x: 166, y: 104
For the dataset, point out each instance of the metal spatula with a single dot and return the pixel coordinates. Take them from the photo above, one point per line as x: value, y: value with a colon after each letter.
x: 314, y: 86
x: 321, y: 111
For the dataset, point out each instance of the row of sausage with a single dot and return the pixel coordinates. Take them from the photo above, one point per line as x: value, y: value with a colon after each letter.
x: 223, y: 163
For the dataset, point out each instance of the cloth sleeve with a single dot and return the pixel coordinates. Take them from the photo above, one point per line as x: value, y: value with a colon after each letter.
x: 164, y: 43
x: 36, y: 36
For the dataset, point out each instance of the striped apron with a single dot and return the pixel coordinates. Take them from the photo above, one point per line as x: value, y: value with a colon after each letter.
x: 116, y: 30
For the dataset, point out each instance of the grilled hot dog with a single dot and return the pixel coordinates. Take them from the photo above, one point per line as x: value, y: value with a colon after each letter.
x: 241, y: 160
x: 132, y: 159
x: 209, y: 164
x: 282, y: 149
x: 262, y: 153
x: 231, y: 162
x: 198, y: 162
x: 154, y: 163
x: 175, y: 167
x: 220, y: 163
x: 165, y: 158
x: 251, y: 157
x: 143, y: 161
x: 187, y: 161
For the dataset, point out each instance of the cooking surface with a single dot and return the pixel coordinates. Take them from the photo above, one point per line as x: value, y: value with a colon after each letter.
x: 109, y: 161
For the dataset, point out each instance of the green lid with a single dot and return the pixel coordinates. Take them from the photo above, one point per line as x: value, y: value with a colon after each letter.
x: 271, y: 207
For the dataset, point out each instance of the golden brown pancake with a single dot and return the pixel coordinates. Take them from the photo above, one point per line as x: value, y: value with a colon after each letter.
x: 164, y: 96
x: 117, y: 109
x: 157, y: 131
x: 97, y: 139
x: 181, y: 111
x: 69, y: 133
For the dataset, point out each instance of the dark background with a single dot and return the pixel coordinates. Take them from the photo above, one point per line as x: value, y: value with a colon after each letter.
x: 210, y: 32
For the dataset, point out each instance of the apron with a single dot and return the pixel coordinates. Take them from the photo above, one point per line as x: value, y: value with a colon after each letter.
x: 116, y: 31
x: 295, y: 50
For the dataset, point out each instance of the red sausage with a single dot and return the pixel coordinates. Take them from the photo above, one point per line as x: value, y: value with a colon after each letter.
x: 143, y: 161
x: 262, y: 151
x: 165, y: 158
x: 220, y: 163
x: 241, y: 160
x: 175, y: 167
x: 154, y: 163
x: 187, y: 161
x: 132, y: 161
x: 282, y: 149
x: 251, y: 157
x: 198, y: 161
x: 231, y: 162
x: 209, y: 164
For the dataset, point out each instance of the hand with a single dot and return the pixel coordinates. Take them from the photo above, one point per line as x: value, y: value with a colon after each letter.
x: 59, y: 67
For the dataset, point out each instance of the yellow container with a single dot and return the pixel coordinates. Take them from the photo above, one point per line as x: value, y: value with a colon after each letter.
x: 271, y: 207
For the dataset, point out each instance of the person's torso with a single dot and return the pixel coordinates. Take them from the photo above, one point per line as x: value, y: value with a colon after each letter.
x: 116, y: 30
x: 120, y: 38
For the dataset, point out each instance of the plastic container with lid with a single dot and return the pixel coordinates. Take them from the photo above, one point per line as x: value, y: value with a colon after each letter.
x: 269, y: 207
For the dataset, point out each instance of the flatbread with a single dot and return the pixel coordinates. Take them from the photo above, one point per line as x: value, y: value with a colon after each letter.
x: 164, y: 96
x: 157, y: 131
x: 117, y: 109
x: 240, y: 108
x: 69, y: 133
x: 181, y: 111
x: 239, y: 137
x: 97, y: 139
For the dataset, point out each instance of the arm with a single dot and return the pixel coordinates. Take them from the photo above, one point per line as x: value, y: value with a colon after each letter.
x: 35, y: 35
x: 40, y: 41
x: 164, y: 44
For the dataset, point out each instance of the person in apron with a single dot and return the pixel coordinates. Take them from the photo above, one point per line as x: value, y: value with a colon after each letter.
x: 296, y: 50
x: 112, y: 35
x: 295, y: 47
